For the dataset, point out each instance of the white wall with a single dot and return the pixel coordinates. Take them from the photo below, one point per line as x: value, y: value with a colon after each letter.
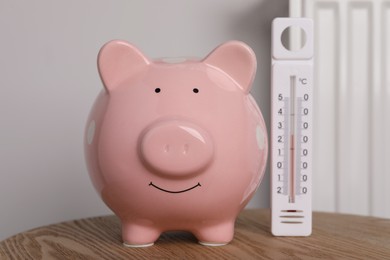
x: 48, y: 81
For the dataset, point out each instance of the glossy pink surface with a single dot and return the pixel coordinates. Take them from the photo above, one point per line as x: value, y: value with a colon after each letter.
x: 176, y: 146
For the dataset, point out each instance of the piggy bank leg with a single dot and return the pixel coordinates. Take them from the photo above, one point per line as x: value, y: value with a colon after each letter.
x: 216, y: 235
x: 134, y: 235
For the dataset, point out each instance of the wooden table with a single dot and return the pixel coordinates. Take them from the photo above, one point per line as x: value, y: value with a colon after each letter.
x: 335, y: 236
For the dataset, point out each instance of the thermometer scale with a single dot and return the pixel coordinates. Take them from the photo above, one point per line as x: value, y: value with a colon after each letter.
x: 291, y: 130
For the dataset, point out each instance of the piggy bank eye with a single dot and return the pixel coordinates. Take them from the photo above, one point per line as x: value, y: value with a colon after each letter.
x: 157, y: 90
x: 195, y: 90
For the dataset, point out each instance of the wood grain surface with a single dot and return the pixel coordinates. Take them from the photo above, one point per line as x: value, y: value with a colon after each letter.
x: 334, y: 236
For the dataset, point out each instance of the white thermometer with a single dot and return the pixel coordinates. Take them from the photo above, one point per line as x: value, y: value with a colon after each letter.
x: 291, y: 129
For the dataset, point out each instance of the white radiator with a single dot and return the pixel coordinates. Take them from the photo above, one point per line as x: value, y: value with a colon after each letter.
x: 351, y: 172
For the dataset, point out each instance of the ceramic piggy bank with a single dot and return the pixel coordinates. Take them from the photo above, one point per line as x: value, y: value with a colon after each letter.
x: 176, y: 144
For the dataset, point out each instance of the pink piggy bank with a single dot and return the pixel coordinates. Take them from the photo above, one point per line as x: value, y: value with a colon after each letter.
x: 176, y: 144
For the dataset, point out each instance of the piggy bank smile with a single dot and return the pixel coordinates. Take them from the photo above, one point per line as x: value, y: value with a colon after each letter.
x: 179, y: 191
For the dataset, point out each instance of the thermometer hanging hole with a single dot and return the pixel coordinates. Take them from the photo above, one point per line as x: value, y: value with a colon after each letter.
x: 293, y: 38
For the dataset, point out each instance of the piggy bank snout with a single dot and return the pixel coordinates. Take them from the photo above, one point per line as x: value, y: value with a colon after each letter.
x: 176, y: 148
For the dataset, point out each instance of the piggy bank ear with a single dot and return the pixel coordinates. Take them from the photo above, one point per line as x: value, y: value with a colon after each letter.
x: 237, y: 60
x: 118, y: 60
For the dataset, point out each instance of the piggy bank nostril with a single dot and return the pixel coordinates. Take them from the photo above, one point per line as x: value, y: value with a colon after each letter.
x: 186, y: 148
x: 166, y: 148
